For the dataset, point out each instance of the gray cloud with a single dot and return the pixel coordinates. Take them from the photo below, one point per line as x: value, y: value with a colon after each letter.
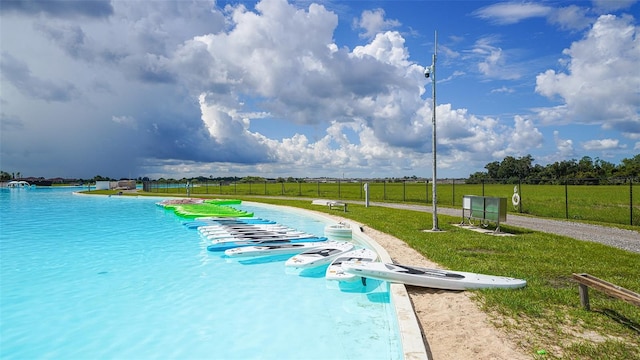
x: 18, y: 74
x: 69, y: 37
x: 59, y: 8
x: 10, y: 123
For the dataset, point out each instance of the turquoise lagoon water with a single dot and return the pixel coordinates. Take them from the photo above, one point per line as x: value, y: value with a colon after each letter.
x: 85, y: 277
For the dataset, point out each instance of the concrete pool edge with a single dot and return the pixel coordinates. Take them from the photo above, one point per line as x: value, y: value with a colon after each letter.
x: 413, y: 346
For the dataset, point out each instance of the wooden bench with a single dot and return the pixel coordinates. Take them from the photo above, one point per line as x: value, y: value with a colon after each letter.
x: 587, y: 281
x: 333, y: 204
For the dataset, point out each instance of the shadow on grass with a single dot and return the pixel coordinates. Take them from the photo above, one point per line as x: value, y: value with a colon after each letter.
x: 621, y: 319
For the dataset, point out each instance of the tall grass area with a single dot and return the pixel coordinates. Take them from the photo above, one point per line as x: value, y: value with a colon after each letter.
x: 546, y: 314
x: 614, y: 204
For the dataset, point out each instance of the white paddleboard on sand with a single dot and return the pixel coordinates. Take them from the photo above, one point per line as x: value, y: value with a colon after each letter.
x: 335, y: 270
x: 319, y: 256
x: 432, y: 278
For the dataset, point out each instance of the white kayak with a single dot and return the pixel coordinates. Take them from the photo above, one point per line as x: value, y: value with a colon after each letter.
x: 275, y: 249
x: 335, y: 270
x: 432, y: 278
x: 319, y: 256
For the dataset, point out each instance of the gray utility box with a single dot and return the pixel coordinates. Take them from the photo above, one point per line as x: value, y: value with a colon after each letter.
x: 484, y: 208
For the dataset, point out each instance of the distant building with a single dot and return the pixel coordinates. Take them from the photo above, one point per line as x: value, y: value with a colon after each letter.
x: 116, y: 185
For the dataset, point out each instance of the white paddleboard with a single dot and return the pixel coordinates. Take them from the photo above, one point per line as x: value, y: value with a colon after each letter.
x: 291, y: 236
x: 276, y: 249
x: 319, y: 256
x: 335, y: 270
x: 432, y: 278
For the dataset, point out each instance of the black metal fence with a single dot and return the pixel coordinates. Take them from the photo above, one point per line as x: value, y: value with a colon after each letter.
x: 578, y: 199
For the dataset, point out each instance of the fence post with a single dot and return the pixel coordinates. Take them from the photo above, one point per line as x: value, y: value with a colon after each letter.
x: 482, y: 187
x: 631, y: 201
x: 384, y: 189
x: 426, y: 185
x: 299, y: 188
x: 265, y: 187
x: 453, y: 192
x: 404, y: 190
x: 318, y: 186
x: 566, y: 199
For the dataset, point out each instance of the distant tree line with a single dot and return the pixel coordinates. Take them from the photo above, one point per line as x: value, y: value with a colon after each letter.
x: 586, y: 170
x: 510, y: 170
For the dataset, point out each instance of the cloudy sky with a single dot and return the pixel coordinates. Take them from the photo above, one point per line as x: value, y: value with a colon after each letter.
x: 313, y: 88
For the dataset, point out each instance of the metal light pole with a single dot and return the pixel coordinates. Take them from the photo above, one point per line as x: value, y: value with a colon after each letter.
x: 430, y: 72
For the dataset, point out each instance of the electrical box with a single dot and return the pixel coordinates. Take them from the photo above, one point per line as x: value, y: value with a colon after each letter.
x: 484, y: 208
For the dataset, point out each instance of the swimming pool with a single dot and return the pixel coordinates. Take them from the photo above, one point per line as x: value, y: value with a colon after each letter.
x: 119, y: 277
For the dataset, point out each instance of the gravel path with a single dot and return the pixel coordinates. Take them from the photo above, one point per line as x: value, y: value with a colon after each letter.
x: 624, y: 239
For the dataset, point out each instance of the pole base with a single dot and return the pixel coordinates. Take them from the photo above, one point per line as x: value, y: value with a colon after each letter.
x: 434, y: 230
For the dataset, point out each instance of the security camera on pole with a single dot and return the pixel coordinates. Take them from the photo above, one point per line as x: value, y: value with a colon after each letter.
x: 430, y: 72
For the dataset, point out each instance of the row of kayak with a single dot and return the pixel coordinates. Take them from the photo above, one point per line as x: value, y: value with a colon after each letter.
x: 194, y: 208
x: 254, y: 237
x: 226, y: 235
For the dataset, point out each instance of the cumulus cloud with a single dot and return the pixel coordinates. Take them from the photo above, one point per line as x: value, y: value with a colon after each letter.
x: 305, y: 78
x: 564, y: 146
x: 603, y: 144
x: 373, y: 22
x: 525, y: 136
x: 600, y: 84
